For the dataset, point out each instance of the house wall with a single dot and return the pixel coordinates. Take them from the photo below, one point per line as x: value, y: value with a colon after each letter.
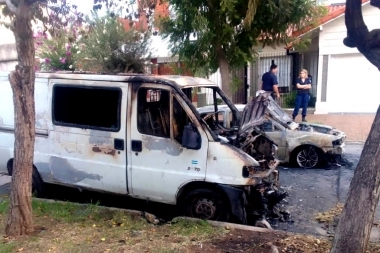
x: 8, y: 57
x: 332, y: 34
x: 8, y: 54
x: 275, y: 49
x: 331, y: 43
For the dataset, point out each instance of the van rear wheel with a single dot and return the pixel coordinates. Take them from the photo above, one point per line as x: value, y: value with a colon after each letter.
x: 37, y: 183
x: 205, y: 204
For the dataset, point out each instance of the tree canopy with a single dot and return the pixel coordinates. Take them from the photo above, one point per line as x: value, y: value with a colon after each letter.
x: 212, y: 34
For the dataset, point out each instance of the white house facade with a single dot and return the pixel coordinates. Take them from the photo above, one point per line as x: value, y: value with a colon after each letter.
x: 347, y: 81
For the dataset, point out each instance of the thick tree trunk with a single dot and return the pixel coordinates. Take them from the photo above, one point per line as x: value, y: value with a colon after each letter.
x: 22, y: 81
x: 224, y: 72
x: 354, y: 227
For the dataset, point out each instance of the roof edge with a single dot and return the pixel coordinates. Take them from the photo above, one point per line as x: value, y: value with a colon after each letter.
x: 323, y: 21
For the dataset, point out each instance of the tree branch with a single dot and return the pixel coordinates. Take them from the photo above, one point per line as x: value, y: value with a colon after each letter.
x: 358, y: 35
x: 10, y: 5
x: 356, y: 28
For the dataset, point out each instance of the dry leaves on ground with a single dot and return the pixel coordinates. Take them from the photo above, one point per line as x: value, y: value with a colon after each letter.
x: 328, y: 216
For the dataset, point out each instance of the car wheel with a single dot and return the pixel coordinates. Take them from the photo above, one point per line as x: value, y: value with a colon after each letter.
x: 307, y: 157
x: 205, y: 204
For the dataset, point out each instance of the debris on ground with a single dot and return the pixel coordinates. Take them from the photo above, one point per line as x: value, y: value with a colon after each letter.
x: 305, y: 244
x: 330, y: 215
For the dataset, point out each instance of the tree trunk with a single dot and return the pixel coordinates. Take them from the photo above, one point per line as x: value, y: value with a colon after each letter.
x: 354, y: 227
x: 20, y: 219
x: 224, y: 72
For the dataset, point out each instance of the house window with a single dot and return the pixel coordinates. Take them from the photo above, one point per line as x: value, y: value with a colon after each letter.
x: 153, y: 112
x: 87, y: 107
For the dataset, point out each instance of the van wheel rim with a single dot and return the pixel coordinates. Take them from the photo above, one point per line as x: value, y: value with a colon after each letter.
x: 307, y: 158
x: 205, y: 209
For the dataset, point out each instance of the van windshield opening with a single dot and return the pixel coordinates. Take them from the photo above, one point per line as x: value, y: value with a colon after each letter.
x: 217, y: 110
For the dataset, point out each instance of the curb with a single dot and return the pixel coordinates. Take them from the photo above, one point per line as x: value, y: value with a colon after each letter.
x: 354, y: 142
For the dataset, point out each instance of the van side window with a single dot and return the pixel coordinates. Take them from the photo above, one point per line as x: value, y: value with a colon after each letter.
x: 153, y: 112
x: 87, y: 107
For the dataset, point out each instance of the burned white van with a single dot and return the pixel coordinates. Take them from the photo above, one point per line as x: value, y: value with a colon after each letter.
x: 141, y: 136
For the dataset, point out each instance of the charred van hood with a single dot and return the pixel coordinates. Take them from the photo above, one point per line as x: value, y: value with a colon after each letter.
x: 258, y: 109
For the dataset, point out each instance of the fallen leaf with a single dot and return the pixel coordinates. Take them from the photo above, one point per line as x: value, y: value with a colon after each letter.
x: 20, y: 249
x: 93, y: 225
x: 103, y: 239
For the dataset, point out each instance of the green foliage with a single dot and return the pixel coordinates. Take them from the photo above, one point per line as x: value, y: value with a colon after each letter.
x: 235, y: 84
x: 190, y: 228
x: 110, y: 47
x: 290, y: 99
x: 202, y: 32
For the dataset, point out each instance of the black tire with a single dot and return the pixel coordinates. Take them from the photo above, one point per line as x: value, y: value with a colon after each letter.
x: 37, y: 183
x: 205, y: 204
x: 307, y: 157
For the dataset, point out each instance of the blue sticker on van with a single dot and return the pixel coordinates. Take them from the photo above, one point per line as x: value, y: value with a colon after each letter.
x: 194, y: 162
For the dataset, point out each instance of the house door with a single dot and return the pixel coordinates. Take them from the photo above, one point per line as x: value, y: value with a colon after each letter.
x: 160, y: 165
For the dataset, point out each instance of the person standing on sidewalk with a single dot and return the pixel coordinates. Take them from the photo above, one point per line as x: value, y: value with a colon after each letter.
x: 269, y: 82
x: 303, y: 94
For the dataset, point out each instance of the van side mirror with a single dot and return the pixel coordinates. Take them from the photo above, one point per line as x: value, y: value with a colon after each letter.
x: 191, y: 138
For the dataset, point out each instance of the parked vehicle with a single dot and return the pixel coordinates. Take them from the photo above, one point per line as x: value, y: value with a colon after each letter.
x: 304, y: 144
x: 141, y: 136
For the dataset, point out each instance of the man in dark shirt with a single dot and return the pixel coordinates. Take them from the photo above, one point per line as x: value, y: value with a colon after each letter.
x: 269, y: 82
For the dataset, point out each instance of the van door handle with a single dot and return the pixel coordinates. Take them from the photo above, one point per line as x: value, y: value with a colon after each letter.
x: 118, y: 144
x: 136, y: 146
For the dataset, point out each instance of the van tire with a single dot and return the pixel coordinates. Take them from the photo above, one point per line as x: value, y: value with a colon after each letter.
x: 205, y: 204
x: 37, y: 182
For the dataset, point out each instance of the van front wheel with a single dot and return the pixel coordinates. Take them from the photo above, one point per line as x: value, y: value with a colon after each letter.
x: 205, y: 204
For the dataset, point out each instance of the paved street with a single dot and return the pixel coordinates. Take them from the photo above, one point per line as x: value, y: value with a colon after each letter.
x: 317, y: 190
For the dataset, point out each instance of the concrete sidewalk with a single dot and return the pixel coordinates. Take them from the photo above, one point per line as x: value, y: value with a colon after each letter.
x: 356, y: 126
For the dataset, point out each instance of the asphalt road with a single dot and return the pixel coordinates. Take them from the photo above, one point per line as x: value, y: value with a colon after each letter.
x: 311, y: 191
x: 317, y: 190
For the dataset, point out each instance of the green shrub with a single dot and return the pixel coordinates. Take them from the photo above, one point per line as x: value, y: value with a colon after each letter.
x: 111, y: 46
x: 290, y: 100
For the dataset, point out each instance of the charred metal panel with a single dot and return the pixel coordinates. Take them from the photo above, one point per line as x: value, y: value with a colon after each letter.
x: 64, y: 172
x: 170, y: 147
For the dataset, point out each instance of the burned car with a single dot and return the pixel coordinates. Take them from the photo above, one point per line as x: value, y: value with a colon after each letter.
x: 303, y: 144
